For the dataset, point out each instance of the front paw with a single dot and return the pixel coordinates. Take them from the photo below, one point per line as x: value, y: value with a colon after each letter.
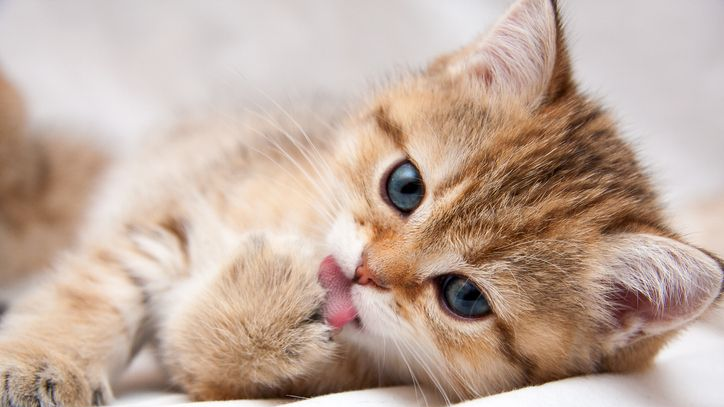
x: 32, y: 375
x: 255, y: 328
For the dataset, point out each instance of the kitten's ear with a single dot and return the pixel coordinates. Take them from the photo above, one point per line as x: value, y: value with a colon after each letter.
x: 656, y: 284
x: 523, y: 56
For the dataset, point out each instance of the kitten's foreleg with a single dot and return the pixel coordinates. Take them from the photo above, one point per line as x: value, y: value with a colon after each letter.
x: 252, y: 328
x: 62, y: 343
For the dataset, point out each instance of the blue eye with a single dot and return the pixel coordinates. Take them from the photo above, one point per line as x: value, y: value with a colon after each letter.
x: 404, y: 188
x: 463, y: 298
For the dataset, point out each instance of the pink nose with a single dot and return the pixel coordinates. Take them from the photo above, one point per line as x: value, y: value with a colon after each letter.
x: 364, y: 275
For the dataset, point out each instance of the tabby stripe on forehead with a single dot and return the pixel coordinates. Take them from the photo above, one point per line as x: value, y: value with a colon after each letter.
x: 389, y: 126
x: 508, y: 348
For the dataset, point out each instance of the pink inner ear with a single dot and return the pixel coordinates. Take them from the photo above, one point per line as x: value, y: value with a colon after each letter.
x: 629, y: 303
x: 659, y: 283
x: 516, y: 58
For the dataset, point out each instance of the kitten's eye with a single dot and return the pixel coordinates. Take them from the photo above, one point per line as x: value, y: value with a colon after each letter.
x: 462, y: 297
x: 404, y: 188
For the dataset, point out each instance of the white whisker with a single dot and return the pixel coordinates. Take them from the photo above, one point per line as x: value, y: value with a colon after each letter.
x: 292, y: 160
x: 304, y: 151
x: 322, y: 210
x: 415, y: 382
x: 320, y: 157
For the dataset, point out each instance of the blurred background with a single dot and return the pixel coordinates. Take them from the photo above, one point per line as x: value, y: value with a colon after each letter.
x: 117, y: 69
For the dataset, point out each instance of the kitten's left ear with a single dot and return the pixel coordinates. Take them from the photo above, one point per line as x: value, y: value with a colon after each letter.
x: 523, y: 56
x: 655, y: 285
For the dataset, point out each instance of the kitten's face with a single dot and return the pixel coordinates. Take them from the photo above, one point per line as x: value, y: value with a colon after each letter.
x: 472, y: 229
x: 481, y: 211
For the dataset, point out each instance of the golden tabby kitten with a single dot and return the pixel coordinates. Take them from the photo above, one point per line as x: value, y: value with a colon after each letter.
x: 478, y: 227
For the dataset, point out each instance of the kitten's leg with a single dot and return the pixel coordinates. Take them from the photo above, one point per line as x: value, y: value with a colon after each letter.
x: 252, y: 328
x: 62, y: 343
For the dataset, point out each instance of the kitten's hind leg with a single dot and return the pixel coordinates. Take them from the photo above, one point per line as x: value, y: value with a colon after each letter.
x: 252, y: 328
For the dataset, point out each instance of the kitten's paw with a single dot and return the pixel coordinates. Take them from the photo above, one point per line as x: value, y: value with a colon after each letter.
x: 32, y: 376
x: 255, y: 328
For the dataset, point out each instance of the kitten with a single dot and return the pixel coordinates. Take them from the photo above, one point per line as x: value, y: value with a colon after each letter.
x: 478, y: 227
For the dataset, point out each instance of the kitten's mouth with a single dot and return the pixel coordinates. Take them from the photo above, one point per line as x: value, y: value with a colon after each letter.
x: 339, y: 310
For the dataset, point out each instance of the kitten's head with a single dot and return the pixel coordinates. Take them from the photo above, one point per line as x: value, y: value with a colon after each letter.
x: 498, y: 230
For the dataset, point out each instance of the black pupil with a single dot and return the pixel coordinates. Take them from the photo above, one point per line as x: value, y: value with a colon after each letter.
x: 463, y: 298
x: 411, y: 188
x: 405, y: 188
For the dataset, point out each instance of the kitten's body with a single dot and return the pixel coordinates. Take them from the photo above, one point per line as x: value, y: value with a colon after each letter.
x: 211, y: 244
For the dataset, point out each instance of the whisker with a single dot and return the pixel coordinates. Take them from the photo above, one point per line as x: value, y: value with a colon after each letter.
x: 448, y: 374
x: 379, y: 361
x: 291, y: 159
x: 415, y: 382
x: 296, y: 124
x: 415, y: 351
x: 301, y: 148
x: 417, y: 356
x: 322, y: 210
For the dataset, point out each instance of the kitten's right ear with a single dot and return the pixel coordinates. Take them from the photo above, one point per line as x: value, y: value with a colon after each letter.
x: 524, y: 56
x: 655, y: 285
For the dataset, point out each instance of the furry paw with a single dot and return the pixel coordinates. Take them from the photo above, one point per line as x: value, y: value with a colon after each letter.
x: 32, y: 376
x: 255, y: 327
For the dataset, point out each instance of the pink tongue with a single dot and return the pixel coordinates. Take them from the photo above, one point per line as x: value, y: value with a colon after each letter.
x: 339, y: 310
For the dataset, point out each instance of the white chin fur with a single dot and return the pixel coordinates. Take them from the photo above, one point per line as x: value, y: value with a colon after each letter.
x: 374, y: 310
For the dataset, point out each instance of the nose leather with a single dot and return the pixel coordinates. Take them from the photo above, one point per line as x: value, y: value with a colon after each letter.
x: 364, y: 275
